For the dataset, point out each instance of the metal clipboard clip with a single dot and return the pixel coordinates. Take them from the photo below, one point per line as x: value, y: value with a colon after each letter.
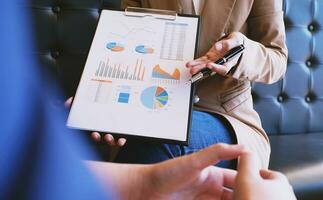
x: 156, y: 13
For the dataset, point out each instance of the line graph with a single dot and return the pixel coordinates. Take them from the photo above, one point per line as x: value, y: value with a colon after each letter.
x: 136, y: 32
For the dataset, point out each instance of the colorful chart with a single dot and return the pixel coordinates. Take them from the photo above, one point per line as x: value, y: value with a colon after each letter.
x: 144, y: 50
x: 154, y: 97
x: 123, y: 97
x: 124, y: 94
x: 158, y: 72
x: 107, y: 70
x: 114, y: 46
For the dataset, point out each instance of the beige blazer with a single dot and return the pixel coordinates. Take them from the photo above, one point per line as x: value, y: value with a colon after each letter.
x: 264, y: 60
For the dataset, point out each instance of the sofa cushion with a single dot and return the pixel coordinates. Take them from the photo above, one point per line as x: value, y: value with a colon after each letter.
x: 294, y: 152
x: 300, y: 157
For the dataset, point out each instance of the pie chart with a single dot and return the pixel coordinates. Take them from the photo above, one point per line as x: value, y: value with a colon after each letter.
x: 154, y: 97
x: 144, y: 49
x: 114, y: 46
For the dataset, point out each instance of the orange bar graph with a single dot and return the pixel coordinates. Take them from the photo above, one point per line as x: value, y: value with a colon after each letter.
x: 143, y: 74
x: 137, y: 76
x: 118, y: 72
x: 126, y: 77
x: 134, y: 74
x: 139, y: 70
x: 107, y: 70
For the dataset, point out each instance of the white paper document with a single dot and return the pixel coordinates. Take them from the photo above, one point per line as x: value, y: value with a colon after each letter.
x: 135, y: 81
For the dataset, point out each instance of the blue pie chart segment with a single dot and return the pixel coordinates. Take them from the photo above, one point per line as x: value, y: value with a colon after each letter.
x: 144, y: 50
x: 154, y: 97
x: 114, y: 46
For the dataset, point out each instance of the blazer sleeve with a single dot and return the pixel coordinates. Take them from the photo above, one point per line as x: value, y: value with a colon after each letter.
x: 130, y: 3
x: 265, y: 57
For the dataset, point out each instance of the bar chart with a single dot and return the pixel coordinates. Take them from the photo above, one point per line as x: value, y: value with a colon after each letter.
x: 124, y: 93
x: 107, y: 71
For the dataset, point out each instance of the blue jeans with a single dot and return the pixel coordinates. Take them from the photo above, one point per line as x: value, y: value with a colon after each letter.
x: 206, y: 129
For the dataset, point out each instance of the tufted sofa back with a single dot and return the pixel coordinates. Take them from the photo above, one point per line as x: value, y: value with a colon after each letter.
x: 64, y: 31
x: 295, y: 104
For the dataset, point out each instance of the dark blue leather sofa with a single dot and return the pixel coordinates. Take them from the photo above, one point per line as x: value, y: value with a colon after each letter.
x: 291, y: 110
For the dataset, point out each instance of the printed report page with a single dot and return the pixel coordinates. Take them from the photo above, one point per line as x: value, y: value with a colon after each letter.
x: 135, y: 81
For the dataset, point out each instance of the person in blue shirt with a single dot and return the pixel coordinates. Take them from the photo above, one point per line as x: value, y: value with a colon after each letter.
x: 41, y: 159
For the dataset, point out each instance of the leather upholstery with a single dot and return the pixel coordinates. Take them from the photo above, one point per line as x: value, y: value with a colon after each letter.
x: 64, y: 31
x: 295, y: 104
x: 291, y: 110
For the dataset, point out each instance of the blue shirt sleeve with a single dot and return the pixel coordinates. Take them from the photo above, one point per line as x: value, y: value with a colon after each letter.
x: 39, y: 157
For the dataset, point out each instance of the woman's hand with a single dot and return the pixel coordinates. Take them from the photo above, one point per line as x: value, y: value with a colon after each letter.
x: 218, y: 50
x: 108, y: 138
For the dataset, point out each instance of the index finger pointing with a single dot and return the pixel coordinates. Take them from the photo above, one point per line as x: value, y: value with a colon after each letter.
x: 248, y: 166
x: 229, y: 177
x: 216, y: 153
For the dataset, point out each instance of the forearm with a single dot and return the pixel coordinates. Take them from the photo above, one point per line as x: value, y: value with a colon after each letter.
x: 260, y: 63
x: 129, y: 180
x: 265, y: 57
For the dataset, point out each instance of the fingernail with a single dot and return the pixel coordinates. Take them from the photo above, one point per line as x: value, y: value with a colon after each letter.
x: 108, y: 137
x: 96, y: 136
x: 121, y: 142
x: 218, y: 46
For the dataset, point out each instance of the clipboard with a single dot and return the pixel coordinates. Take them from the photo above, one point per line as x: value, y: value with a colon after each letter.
x: 134, y: 83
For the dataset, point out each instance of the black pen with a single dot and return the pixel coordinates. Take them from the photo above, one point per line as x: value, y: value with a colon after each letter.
x: 206, y: 72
